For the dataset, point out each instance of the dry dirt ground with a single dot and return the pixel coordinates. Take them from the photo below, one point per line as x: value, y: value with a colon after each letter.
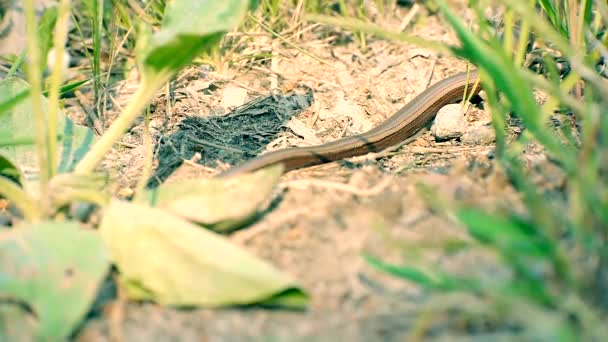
x: 326, y: 217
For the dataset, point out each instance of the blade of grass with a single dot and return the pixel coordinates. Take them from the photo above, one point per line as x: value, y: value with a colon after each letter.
x: 6, y: 106
x: 60, y: 36
x: 265, y: 27
x: 34, y: 77
x: 16, y: 195
x: 97, y: 35
x: 545, y: 30
x: 509, y: 80
x: 16, y: 65
x: 358, y: 25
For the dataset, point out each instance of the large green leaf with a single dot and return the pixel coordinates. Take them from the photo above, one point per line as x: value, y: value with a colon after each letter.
x: 53, y: 271
x: 222, y: 204
x: 6, y: 102
x: 190, y: 28
x: 164, y: 258
x: 19, y: 123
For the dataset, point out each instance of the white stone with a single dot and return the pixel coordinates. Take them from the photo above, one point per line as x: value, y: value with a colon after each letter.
x: 483, y: 135
x: 233, y: 97
x: 449, y: 123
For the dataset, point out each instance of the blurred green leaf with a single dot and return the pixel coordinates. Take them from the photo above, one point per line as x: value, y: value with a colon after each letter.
x: 509, y: 80
x: 16, y: 323
x: 506, y: 233
x: 53, y: 270
x: 164, y: 258
x: 190, y: 28
x: 552, y: 14
x: 221, y: 204
x: 403, y: 272
x: 9, y: 170
x: 8, y: 102
x: 438, y: 280
x: 46, y: 28
x: 68, y: 87
x: 19, y: 124
x: 7, y: 141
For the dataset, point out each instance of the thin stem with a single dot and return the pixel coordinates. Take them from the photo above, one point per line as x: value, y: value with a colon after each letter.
x: 267, y: 28
x: 16, y: 195
x: 61, y: 32
x: 141, y: 97
x: 97, y: 31
x: 11, y: 72
x: 358, y: 25
x: 522, y: 44
x: 34, y: 77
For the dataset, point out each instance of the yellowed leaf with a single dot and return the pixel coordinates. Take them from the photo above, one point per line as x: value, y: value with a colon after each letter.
x: 169, y: 260
x: 221, y: 204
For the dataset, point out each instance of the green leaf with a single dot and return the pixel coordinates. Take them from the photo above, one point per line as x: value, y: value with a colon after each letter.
x: 69, y: 87
x: 52, y: 269
x: 7, y: 141
x: 509, y: 79
x: 437, y: 280
x: 221, y: 204
x: 509, y: 234
x: 19, y: 126
x: 190, y: 28
x: 9, y: 170
x: 403, y: 272
x: 9, y: 102
x: 547, y: 5
x: 164, y: 258
x: 45, y: 33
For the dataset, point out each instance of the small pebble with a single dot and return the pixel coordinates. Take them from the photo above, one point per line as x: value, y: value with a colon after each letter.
x: 449, y: 123
x: 479, y: 117
x: 483, y: 135
x: 233, y: 97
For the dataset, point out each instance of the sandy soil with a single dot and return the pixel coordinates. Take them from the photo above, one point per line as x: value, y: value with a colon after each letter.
x: 326, y: 217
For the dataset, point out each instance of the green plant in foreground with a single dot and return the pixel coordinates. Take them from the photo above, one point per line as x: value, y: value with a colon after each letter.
x: 556, y: 252
x: 66, y: 264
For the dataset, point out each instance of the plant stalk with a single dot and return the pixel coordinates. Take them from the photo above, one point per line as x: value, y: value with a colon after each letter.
x: 61, y: 32
x: 141, y: 97
x: 11, y: 191
x: 35, y: 80
x: 97, y: 32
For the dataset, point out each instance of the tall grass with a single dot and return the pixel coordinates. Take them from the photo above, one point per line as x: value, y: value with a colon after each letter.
x: 556, y: 251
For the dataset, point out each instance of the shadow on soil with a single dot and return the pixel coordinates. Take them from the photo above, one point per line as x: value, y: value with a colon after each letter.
x: 231, y: 138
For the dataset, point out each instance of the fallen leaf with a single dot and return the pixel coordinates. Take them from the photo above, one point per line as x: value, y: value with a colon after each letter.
x: 171, y: 261
x: 221, y: 204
